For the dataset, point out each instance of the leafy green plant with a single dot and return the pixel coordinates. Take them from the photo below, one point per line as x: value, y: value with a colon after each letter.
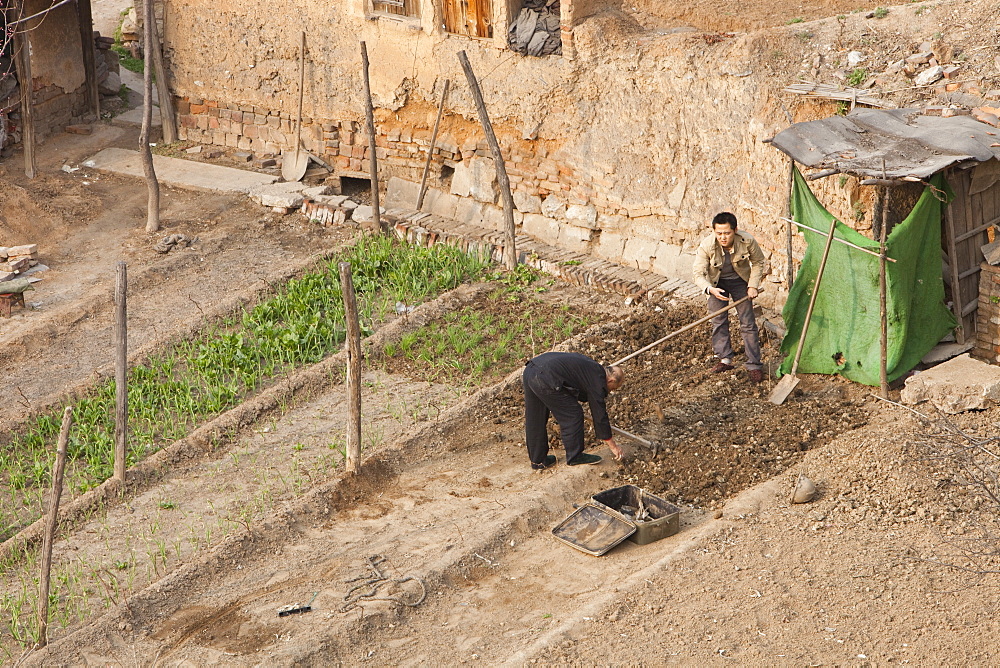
x: 797, y: 19
x: 857, y: 76
x: 880, y: 12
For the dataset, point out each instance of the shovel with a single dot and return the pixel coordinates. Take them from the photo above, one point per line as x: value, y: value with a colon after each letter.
x: 293, y: 165
x: 788, y: 382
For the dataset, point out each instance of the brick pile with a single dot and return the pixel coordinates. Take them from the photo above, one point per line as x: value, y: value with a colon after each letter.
x: 988, y: 315
x: 15, y: 260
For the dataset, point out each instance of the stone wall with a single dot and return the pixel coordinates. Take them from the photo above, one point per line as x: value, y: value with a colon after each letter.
x: 625, y: 151
x: 59, y: 90
x: 988, y: 315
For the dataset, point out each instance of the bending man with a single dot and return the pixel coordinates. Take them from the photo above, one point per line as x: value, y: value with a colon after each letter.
x: 558, y: 383
x: 730, y: 265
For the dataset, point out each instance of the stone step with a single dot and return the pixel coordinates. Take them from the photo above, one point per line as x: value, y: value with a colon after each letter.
x: 576, y: 268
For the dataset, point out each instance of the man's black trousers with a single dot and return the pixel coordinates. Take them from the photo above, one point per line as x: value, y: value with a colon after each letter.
x: 539, y: 401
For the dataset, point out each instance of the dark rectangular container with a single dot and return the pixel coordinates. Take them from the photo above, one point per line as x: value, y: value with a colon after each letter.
x: 665, y: 515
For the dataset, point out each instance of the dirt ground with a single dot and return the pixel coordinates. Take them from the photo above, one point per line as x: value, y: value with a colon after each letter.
x: 193, y: 570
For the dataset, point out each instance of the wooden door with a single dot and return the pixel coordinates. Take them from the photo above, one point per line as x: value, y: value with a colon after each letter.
x: 468, y: 17
x: 974, y: 210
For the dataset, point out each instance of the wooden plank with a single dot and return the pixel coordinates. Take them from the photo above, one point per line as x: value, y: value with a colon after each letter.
x: 484, y: 17
x: 86, y: 21
x: 978, y: 228
x: 970, y: 272
x: 973, y: 256
x: 956, y: 299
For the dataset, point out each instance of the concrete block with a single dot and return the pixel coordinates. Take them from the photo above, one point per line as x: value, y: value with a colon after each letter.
x: 281, y: 200
x: 958, y: 385
x: 667, y: 260
x: 469, y: 211
x: 493, y: 218
x: 401, y: 193
x: 575, y: 238
x: 610, y: 246
x: 542, y: 228
x: 475, y: 178
x: 639, y: 252
x: 553, y: 207
x: 582, y: 215
x: 526, y: 203
x: 440, y: 203
x: 365, y: 214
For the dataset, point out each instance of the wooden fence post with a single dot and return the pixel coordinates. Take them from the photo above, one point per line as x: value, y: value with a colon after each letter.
x: 353, y: 369
x: 509, y: 252
x: 50, y: 528
x: 121, y: 369
x: 430, y: 151
x: 370, y: 120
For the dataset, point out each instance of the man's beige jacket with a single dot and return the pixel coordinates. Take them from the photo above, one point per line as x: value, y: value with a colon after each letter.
x: 748, y: 261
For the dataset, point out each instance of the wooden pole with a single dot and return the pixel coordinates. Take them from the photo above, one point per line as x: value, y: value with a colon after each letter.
x: 50, y: 528
x: 121, y: 369
x: 882, y: 300
x: 22, y: 64
x: 353, y: 369
x: 86, y: 21
x: 509, y: 251
x: 370, y: 120
x: 956, y: 287
x: 167, y: 118
x: 788, y: 214
x: 430, y: 152
x: 152, y: 185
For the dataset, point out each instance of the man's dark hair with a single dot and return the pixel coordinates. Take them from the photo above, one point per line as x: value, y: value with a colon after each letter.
x: 724, y: 218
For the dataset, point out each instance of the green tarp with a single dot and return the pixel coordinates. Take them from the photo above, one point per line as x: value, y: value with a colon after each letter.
x: 845, y: 329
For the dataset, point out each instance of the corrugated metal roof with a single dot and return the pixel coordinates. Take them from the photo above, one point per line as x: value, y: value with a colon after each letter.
x: 911, y: 143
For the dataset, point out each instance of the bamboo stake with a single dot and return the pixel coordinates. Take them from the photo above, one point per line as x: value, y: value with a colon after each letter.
x: 837, y: 239
x: 884, y: 338
x: 788, y: 216
x: 370, y: 119
x: 121, y: 369
x: 50, y: 528
x: 353, y: 369
x: 509, y: 251
x: 430, y: 152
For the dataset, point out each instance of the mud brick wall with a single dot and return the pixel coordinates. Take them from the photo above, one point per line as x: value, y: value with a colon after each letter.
x: 988, y: 315
x: 56, y: 108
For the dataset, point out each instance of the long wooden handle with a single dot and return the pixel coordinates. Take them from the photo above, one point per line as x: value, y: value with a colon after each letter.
x: 302, y: 85
x: 812, y: 298
x: 680, y: 331
x: 640, y: 439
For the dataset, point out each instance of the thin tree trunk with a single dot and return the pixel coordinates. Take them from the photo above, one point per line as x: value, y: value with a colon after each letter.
x: 51, y: 522
x: 153, y: 202
x: 370, y: 121
x: 509, y: 251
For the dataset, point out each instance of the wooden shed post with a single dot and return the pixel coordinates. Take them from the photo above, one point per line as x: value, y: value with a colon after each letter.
x: 22, y: 64
x: 86, y: 21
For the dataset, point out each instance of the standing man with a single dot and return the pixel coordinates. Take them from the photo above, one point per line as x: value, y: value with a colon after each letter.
x: 729, y: 265
x: 558, y: 383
